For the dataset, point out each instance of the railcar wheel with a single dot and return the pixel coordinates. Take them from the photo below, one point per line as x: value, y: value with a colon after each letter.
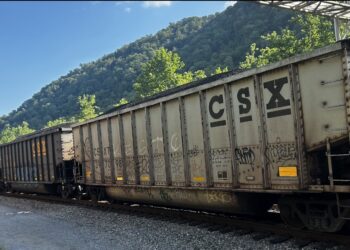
x: 290, y: 216
x: 65, y: 192
x: 314, y: 213
x: 2, y: 187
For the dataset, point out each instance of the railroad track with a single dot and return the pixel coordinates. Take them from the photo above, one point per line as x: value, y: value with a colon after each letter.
x: 270, y: 228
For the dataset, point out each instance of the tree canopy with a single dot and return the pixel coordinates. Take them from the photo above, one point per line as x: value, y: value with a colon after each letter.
x: 162, y: 72
x: 310, y: 32
x: 9, y: 134
x: 87, y: 105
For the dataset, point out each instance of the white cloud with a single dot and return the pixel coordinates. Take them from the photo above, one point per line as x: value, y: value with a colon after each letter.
x: 229, y: 3
x: 127, y: 9
x: 156, y: 4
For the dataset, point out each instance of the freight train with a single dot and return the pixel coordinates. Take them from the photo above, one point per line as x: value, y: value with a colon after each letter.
x: 234, y: 142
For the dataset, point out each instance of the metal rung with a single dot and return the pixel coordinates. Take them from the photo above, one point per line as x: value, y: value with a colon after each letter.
x: 337, y: 155
x: 341, y: 180
x: 340, y: 205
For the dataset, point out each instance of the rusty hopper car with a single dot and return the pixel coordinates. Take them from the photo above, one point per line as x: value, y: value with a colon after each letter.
x: 41, y: 162
x: 239, y: 142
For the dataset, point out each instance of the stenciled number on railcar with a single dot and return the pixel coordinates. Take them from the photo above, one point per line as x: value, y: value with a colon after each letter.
x: 277, y: 100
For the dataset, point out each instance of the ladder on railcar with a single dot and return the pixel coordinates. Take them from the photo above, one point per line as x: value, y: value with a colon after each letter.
x: 341, y: 203
x: 329, y: 156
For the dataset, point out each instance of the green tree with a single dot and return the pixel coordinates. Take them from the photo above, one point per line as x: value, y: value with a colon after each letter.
x: 162, y: 73
x: 311, y: 32
x: 9, y: 134
x: 219, y: 70
x: 122, y: 101
x: 87, y: 107
x: 59, y: 121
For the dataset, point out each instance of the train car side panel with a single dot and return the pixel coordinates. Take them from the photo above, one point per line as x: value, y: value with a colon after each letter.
x: 218, y: 136
x: 88, y: 156
x: 117, y: 152
x: 129, y: 149
x: 281, y: 153
x: 105, y: 151
x: 195, y: 141
x: 143, y: 158
x: 97, y: 173
x: 323, y: 99
x: 247, y: 134
x: 175, y: 147
x: 157, y: 144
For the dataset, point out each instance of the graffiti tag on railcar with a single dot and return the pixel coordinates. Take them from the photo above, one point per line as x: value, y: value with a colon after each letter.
x: 280, y: 153
x: 277, y: 100
x: 245, y: 155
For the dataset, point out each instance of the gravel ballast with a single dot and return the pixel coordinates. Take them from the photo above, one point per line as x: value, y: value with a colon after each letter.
x: 29, y: 224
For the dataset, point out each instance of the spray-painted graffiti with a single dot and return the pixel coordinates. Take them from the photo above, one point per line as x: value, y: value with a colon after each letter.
x: 221, y: 162
x: 245, y: 155
x: 157, y: 145
x: 215, y: 197
x: 280, y: 153
x: 177, y: 166
x: 175, y: 142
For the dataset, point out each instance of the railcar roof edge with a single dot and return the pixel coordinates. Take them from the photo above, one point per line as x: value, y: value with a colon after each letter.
x: 66, y: 127
x: 213, y: 81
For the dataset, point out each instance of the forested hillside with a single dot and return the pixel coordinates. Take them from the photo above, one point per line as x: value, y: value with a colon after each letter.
x: 202, y: 42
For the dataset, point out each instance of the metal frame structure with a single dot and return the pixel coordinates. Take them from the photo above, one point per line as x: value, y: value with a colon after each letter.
x: 339, y: 10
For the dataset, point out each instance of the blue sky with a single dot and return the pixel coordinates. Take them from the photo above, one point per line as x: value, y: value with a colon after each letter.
x: 41, y: 41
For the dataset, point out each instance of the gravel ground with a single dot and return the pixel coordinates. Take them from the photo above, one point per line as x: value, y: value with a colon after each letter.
x: 28, y: 224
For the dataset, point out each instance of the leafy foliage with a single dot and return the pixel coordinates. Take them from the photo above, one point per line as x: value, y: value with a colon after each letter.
x: 9, y: 134
x: 162, y: 73
x: 219, y: 70
x: 87, y: 107
x: 311, y: 32
x: 122, y: 101
x: 87, y: 111
x: 204, y: 43
x: 56, y: 122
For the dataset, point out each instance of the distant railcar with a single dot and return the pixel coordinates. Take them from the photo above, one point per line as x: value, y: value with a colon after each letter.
x: 40, y: 162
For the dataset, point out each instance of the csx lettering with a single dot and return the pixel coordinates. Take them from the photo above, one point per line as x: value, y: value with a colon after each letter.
x: 245, y: 106
x: 277, y: 100
x: 216, y: 114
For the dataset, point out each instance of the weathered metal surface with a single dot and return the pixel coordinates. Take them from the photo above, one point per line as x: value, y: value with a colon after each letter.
x: 141, y: 149
x: 117, y: 152
x: 157, y: 146
x: 195, y: 142
x: 216, y: 200
x: 129, y: 149
x: 248, y: 145
x: 219, y: 140
x: 33, y: 187
x: 176, y: 144
x: 281, y: 144
x: 322, y: 93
